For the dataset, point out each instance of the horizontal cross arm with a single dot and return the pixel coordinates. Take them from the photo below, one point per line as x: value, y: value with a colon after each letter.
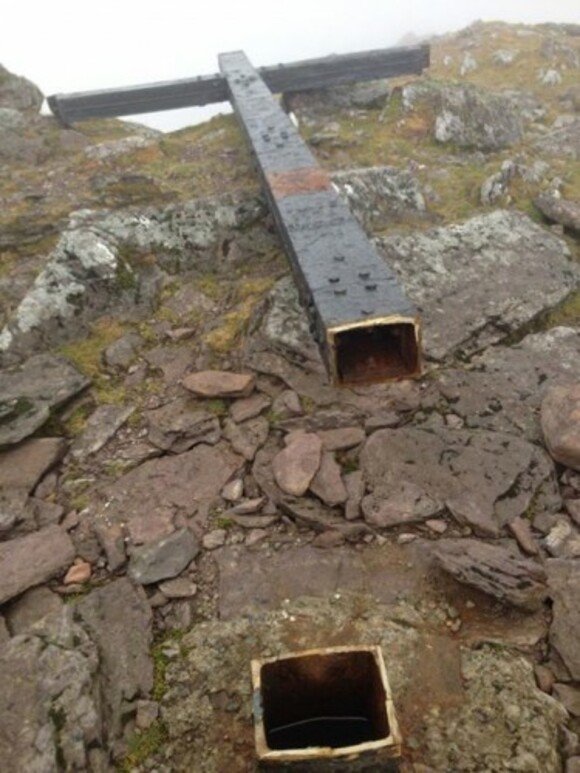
x: 211, y: 89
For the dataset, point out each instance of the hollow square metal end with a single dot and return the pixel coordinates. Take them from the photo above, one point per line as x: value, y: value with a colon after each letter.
x: 325, y: 705
x: 374, y: 351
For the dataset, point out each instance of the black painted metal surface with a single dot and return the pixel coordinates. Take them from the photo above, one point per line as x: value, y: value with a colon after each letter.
x: 209, y: 89
x: 366, y: 329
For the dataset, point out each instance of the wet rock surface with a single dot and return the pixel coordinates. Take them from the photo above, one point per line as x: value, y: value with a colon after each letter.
x: 452, y: 273
x: 187, y: 490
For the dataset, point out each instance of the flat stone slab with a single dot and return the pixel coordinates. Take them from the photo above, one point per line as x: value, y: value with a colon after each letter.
x: 31, y: 560
x: 564, y: 590
x: 470, y: 472
x: 185, y: 484
x: 163, y: 558
x: 118, y: 619
x: 219, y: 383
x: 30, y: 391
x: 22, y: 467
x: 296, y: 465
x: 477, y: 283
x: 178, y: 426
x: 504, y: 387
x: 496, y: 570
x: 101, y: 426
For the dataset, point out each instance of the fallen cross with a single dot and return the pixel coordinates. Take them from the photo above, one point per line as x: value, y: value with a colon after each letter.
x: 366, y: 329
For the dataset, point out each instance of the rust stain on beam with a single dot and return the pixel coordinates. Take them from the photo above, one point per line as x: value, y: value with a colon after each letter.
x: 295, y: 181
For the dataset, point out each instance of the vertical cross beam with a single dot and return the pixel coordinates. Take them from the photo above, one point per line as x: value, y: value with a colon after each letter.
x: 365, y: 327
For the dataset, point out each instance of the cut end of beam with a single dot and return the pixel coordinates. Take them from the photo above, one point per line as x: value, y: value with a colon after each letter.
x: 376, y: 351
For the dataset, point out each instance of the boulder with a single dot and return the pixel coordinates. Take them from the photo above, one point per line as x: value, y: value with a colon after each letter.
x: 411, y: 472
x: 559, y: 210
x: 101, y: 426
x: 477, y: 283
x: 163, y: 558
x: 49, y: 701
x: 466, y: 115
x: 30, y: 391
x: 19, y: 93
x: 295, y: 467
x: 504, y: 387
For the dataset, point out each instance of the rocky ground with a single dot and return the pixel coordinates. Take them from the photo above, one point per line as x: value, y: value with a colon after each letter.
x: 182, y: 490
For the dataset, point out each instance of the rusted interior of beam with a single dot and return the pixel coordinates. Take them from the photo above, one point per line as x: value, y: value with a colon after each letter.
x: 366, y: 329
x: 211, y: 89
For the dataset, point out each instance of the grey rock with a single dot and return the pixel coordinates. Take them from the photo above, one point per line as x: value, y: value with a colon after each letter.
x: 179, y: 588
x: 249, y: 507
x: 49, y: 703
x: 101, y: 426
x: 466, y: 115
x: 179, y: 426
x: 19, y: 93
x: 561, y: 141
x: 573, y: 765
x: 248, y: 437
x: 233, y: 491
x: 30, y: 391
x: 163, y: 558
x: 327, y: 484
x: 470, y: 472
x: 83, y: 277
x: 503, y: 389
x: 468, y: 64
x: 219, y: 383
x: 258, y: 522
x: 561, y: 424
x: 121, y: 353
x: 559, y: 210
x: 4, y: 632
x: 355, y: 487
x: 286, y: 327
x: 406, y: 503
x: 27, y: 610
x: 287, y: 404
x: 118, y: 619
x: 31, y: 560
x: 549, y: 77
x: 295, y: 466
x: 452, y: 272
x: 496, y: 570
x: 564, y: 587
x: 313, y: 103
x: 502, y: 703
x: 504, y: 57
x: 116, y: 148
x: 214, y: 539
x: 23, y: 467
x: 147, y: 714
x: 381, y: 195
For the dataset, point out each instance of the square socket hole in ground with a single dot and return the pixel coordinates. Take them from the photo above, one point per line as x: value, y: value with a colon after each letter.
x: 336, y: 699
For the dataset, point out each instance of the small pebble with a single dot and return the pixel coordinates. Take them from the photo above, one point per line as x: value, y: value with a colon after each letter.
x: 78, y: 574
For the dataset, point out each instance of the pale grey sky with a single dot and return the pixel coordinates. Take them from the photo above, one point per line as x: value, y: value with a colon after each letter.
x: 71, y: 45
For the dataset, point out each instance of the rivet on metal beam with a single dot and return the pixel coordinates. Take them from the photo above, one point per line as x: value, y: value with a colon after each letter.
x: 339, y: 258
x: 371, y: 287
x: 333, y: 279
x: 342, y: 291
x: 364, y: 274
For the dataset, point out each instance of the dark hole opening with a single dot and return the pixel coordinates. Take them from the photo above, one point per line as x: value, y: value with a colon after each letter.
x: 332, y: 700
x: 377, y: 353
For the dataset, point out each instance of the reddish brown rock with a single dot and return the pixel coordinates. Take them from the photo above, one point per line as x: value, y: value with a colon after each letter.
x: 327, y: 484
x: 78, y: 574
x: 522, y: 531
x: 249, y: 407
x: 219, y: 383
x: 406, y: 503
x: 33, y: 559
x: 329, y: 539
x: 341, y: 439
x: 295, y: 466
x: 560, y: 416
x: 248, y: 437
x: 564, y: 590
x: 22, y: 467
